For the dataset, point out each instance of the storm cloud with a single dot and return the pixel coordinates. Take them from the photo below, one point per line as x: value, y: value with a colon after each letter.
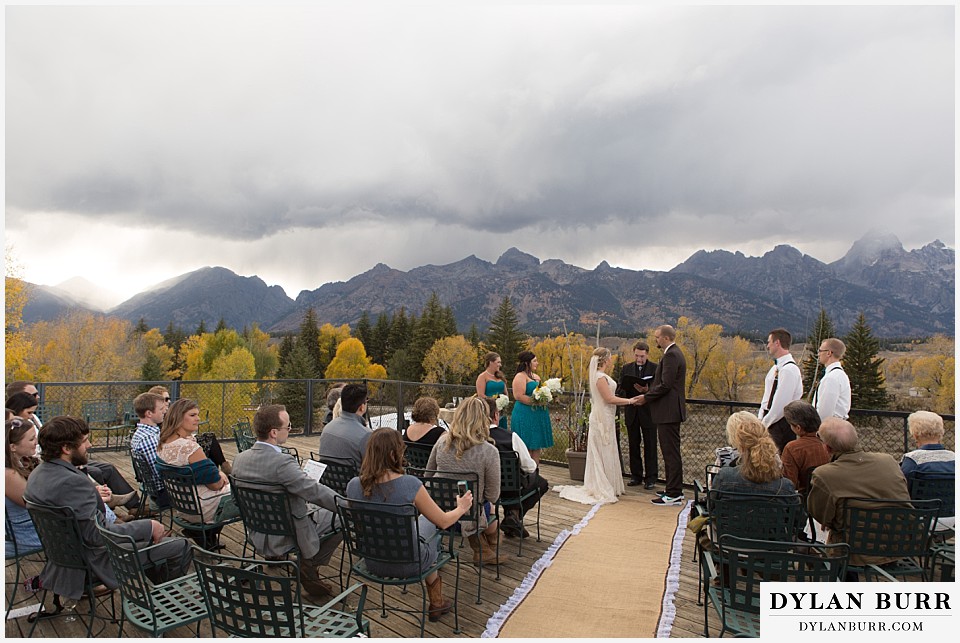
x: 568, y: 131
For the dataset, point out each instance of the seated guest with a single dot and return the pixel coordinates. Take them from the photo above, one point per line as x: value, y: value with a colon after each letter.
x: 150, y: 409
x: 423, y: 429
x: 345, y: 438
x: 64, y: 442
x: 207, y: 440
x: 507, y: 440
x: 19, y: 461
x: 382, y: 479
x: 24, y: 406
x: 466, y: 447
x: 926, y: 429
x: 179, y: 448
x: 333, y: 398
x: 807, y: 451
x: 851, y: 473
x: 312, y: 503
x: 759, y: 469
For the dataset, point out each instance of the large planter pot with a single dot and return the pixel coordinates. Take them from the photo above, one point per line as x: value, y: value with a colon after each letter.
x: 578, y: 464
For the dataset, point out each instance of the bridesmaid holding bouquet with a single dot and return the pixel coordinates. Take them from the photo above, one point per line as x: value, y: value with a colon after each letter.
x: 530, y: 419
x: 491, y: 382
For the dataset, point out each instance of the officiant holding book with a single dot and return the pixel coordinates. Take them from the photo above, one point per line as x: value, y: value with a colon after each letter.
x: 635, y: 378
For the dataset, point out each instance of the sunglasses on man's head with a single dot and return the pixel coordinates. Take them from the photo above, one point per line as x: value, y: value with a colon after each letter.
x: 166, y: 399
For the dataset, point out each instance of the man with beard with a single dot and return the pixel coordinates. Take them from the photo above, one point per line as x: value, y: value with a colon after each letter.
x: 59, y: 482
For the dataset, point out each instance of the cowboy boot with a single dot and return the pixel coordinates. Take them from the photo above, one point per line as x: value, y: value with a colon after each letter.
x: 488, y: 544
x: 438, y: 604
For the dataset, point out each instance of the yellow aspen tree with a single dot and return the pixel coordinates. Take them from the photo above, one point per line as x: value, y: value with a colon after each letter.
x: 451, y: 360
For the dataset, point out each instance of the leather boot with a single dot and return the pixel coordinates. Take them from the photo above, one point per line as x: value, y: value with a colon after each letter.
x: 491, y: 540
x: 480, y: 543
x: 438, y: 604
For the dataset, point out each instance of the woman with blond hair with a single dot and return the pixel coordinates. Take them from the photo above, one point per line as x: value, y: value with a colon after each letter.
x: 178, y: 447
x: 759, y: 469
x: 602, y: 479
x: 466, y: 447
x: 382, y: 479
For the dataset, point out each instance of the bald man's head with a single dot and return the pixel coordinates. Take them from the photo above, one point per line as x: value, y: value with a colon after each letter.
x: 839, y: 435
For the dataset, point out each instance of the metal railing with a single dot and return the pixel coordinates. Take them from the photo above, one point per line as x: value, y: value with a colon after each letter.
x: 228, y: 401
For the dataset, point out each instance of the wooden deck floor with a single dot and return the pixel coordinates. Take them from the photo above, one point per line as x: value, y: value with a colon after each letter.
x: 556, y: 516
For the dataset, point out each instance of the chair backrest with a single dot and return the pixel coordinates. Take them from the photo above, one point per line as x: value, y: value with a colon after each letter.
x: 143, y: 471
x: 100, y: 411
x: 338, y: 472
x: 510, y: 482
x: 379, y: 531
x: 243, y: 437
x: 889, y: 528
x: 417, y: 455
x: 181, y: 485
x: 443, y: 488
x: 59, y: 533
x: 250, y: 598
x: 927, y: 485
x: 265, y: 508
x: 125, y: 560
x: 746, y: 562
x: 757, y: 516
x: 49, y: 410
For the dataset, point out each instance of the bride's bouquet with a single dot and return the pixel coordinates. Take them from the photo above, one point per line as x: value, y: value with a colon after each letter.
x: 502, y: 402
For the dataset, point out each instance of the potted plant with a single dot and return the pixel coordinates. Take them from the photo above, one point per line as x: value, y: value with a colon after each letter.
x: 577, y: 432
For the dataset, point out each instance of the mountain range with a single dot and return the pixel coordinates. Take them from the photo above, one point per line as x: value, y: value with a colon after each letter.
x: 903, y: 293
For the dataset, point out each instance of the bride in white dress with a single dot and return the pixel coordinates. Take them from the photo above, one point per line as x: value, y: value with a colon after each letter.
x: 602, y: 479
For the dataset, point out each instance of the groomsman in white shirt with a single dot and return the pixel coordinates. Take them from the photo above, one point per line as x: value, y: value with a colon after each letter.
x: 832, y: 398
x: 783, y: 384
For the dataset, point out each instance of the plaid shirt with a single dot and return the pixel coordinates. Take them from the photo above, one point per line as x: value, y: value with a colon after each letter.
x: 145, y: 442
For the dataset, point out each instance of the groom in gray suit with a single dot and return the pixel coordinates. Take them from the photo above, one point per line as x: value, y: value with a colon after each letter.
x: 312, y: 504
x: 57, y: 481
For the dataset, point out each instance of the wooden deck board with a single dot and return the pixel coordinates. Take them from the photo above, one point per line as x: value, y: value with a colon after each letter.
x: 556, y: 515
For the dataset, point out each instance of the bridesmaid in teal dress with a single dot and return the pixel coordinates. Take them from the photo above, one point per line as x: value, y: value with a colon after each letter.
x: 491, y: 382
x: 530, y: 422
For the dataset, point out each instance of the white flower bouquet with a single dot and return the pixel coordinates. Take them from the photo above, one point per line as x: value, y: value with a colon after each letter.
x: 542, y: 395
x: 502, y: 402
x: 554, y: 385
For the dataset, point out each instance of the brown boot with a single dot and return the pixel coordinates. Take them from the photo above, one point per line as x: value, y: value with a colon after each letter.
x: 438, y: 604
x: 474, y: 541
x: 479, y: 543
x: 491, y: 540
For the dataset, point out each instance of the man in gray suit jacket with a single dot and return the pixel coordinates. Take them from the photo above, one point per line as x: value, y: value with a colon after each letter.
x: 345, y: 438
x: 57, y: 481
x: 312, y: 504
x: 668, y: 408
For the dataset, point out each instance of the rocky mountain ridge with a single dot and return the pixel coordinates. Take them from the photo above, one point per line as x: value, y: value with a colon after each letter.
x: 903, y: 293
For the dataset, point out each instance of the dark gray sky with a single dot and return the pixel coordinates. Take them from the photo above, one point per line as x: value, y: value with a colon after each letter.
x: 306, y: 144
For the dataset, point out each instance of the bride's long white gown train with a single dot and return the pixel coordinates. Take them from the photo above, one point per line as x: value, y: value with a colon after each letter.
x: 602, y: 479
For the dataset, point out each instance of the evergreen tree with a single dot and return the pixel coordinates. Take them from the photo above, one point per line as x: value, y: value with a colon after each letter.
x: 864, y: 368
x: 822, y: 329
x: 299, y: 366
x: 221, y: 325
x: 380, y: 340
x: 401, y: 332
x: 449, y: 322
x: 505, y: 336
x: 141, y: 327
x: 363, y: 331
x: 434, y: 324
x: 174, y: 338
x: 287, y: 345
x: 473, y: 336
x: 201, y: 329
x: 310, y: 339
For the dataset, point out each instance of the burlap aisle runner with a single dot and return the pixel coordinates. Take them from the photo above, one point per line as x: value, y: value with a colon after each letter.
x: 608, y: 580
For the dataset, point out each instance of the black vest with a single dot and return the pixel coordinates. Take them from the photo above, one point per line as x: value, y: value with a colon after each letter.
x: 502, y: 438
